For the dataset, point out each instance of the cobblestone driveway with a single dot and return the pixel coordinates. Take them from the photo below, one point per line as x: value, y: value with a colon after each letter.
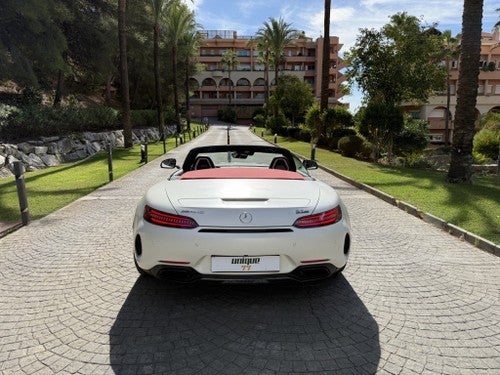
x: 412, y: 299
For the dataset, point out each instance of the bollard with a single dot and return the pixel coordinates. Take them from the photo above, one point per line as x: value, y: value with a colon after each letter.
x: 144, y: 153
x: 110, y: 162
x: 176, y: 140
x: 262, y: 134
x: 194, y: 133
x: 228, y: 137
x: 275, y: 138
x: 21, y: 192
x: 313, y: 152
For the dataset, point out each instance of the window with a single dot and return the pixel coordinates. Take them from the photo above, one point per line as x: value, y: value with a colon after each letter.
x: 243, y: 82
x: 262, y: 82
x: 242, y: 53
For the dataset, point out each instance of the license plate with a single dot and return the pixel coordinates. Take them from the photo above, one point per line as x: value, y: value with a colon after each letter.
x: 267, y: 263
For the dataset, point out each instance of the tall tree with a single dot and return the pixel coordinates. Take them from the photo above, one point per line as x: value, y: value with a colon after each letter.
x: 279, y: 34
x: 263, y: 45
x: 325, y: 67
x: 460, y: 170
x: 450, y: 50
x: 229, y: 61
x: 158, y: 8
x: 191, y: 42
x: 32, y: 44
x: 293, y: 96
x: 122, y: 41
x: 401, y: 62
x: 180, y: 21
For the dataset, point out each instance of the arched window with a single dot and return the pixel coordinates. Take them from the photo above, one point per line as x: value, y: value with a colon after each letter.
x: 225, y: 82
x: 243, y: 82
x: 208, y: 82
x: 259, y: 82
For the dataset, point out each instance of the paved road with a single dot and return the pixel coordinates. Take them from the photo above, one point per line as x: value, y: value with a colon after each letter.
x: 413, y: 299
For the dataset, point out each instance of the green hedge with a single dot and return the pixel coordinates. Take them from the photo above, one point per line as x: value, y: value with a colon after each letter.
x: 36, y: 121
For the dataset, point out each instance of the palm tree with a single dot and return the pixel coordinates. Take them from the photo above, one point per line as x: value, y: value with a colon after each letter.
x: 122, y: 38
x: 180, y: 20
x: 325, y: 67
x: 451, y: 48
x: 158, y: 7
x: 461, y: 156
x: 264, y: 48
x: 278, y: 34
x: 229, y: 61
x: 191, y: 41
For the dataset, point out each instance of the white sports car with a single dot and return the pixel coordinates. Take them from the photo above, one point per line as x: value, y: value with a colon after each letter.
x: 240, y: 213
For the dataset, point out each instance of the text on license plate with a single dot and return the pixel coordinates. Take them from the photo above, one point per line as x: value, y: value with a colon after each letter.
x: 246, y: 264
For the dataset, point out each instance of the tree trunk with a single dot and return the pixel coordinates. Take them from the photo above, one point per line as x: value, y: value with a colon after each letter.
x: 461, y: 156
x: 188, y: 104
x: 447, y: 114
x: 122, y: 37
x: 176, y: 93
x: 325, y: 67
x: 156, y: 58
x: 267, y: 83
x: 58, y: 94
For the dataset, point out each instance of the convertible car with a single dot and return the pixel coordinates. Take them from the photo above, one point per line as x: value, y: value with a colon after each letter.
x: 241, y: 213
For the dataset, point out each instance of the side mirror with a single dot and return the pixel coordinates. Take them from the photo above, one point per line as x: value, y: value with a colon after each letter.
x: 169, y: 163
x: 310, y: 164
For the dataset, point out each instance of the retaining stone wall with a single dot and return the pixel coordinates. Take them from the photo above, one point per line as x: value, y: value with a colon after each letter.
x: 52, y: 151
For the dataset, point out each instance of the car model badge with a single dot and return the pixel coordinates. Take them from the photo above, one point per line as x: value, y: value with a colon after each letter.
x: 246, y: 218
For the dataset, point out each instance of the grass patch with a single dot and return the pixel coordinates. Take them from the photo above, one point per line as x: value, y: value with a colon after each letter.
x: 52, y: 188
x: 476, y: 207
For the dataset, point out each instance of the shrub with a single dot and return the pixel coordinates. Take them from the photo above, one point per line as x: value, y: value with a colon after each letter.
x: 276, y: 123
x: 366, y: 152
x: 35, y: 121
x: 30, y: 96
x: 227, y: 114
x: 143, y: 118
x: 413, y: 138
x: 304, y: 134
x: 486, y: 143
x: 335, y: 135
x: 350, y: 145
x: 259, y: 120
x: 416, y: 160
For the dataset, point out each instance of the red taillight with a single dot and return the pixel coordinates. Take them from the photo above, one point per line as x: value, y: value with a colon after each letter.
x: 168, y: 220
x: 324, y: 218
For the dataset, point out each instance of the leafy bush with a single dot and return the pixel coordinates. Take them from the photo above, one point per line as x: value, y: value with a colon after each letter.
x: 143, y: 118
x: 486, y: 143
x: 335, y: 135
x: 31, y: 96
x: 416, y: 160
x: 227, y: 114
x: 259, y: 120
x: 35, y: 121
x: 277, y: 123
x: 366, y: 152
x: 413, y: 138
x: 350, y: 145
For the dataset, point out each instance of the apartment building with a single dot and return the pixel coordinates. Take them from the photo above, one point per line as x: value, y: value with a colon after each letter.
x: 488, y: 98
x: 246, y: 84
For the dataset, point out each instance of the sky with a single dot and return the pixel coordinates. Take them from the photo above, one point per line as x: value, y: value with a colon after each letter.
x: 347, y: 17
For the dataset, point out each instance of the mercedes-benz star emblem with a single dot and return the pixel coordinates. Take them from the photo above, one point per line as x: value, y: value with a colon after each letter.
x: 245, y: 218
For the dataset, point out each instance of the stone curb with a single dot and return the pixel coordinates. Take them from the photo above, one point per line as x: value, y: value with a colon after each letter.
x: 461, y: 233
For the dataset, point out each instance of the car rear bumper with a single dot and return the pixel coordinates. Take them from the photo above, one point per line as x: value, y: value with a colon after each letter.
x: 300, y: 274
